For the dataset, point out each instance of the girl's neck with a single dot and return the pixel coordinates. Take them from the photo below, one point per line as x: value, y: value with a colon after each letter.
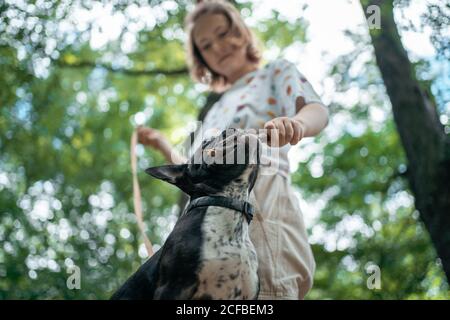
x: 249, y: 67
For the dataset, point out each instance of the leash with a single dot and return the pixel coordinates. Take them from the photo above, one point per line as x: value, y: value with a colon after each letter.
x: 137, y: 195
x: 241, y: 206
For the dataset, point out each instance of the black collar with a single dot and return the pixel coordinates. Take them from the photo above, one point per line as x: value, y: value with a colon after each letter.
x: 242, y: 206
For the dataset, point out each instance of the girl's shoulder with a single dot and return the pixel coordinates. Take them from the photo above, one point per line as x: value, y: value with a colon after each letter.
x: 278, y: 66
x: 279, y: 63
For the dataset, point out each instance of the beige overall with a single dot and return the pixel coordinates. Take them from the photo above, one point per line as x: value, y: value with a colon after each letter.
x: 286, y: 263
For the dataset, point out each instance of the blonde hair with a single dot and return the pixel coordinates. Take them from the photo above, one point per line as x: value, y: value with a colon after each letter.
x: 198, y: 68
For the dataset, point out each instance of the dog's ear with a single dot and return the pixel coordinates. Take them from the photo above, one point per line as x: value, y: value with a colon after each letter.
x: 169, y: 173
x: 176, y: 175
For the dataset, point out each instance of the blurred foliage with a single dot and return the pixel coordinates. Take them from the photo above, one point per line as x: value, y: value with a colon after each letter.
x: 68, y: 105
x: 438, y: 17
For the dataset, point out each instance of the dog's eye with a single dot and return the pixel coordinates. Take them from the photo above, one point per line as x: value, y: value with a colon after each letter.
x: 196, y: 169
x: 211, y: 152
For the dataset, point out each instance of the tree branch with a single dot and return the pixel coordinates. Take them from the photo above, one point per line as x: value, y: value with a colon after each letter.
x: 128, y: 72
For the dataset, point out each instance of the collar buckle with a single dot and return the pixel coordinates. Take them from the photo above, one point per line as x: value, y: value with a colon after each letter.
x: 247, y: 209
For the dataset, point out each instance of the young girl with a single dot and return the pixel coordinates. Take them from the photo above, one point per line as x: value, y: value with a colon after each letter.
x: 222, y: 53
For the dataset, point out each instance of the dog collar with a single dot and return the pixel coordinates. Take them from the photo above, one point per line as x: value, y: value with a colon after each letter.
x: 242, y: 206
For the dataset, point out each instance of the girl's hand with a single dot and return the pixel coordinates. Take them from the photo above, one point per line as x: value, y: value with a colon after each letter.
x: 152, y: 137
x: 155, y: 139
x: 284, y: 130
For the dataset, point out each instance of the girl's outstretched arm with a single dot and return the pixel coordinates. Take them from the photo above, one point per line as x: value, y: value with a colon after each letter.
x: 313, y: 118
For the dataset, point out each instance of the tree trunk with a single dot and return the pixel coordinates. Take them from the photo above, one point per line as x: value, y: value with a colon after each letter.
x: 426, y: 145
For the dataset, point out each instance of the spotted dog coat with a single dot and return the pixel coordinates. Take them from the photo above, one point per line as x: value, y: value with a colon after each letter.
x: 209, y: 254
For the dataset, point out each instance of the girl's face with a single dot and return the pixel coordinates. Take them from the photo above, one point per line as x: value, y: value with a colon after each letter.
x: 215, y: 43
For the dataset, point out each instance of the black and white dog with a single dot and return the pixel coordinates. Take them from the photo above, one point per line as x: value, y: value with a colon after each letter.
x: 209, y: 254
